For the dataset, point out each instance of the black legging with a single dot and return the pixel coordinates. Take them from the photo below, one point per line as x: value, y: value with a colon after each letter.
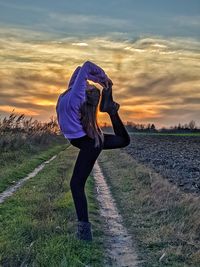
x: 86, y: 160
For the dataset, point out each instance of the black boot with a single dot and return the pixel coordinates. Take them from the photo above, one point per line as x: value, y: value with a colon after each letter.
x: 84, y: 231
x: 107, y: 104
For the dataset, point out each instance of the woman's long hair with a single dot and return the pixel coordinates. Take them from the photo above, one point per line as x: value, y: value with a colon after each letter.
x: 89, y: 122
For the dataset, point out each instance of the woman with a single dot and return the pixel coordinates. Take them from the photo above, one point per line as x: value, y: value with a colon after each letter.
x: 77, y: 117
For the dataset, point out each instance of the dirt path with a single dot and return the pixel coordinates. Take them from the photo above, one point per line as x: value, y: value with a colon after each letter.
x: 8, y: 192
x: 119, y: 245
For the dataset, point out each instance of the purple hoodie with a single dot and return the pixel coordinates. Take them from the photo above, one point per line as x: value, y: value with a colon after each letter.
x: 69, y: 103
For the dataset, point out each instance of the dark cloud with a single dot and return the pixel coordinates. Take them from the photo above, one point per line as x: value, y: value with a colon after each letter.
x: 21, y: 77
x: 164, y: 86
x: 28, y: 105
x: 191, y: 100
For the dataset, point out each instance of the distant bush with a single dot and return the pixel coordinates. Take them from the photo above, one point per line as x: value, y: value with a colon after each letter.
x: 18, y: 131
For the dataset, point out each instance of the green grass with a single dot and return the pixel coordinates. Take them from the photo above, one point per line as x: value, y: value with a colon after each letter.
x: 162, y: 220
x: 173, y: 134
x: 38, y: 223
x: 17, y: 164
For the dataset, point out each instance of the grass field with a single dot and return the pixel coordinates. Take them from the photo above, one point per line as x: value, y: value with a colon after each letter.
x: 17, y: 164
x: 175, y: 134
x: 38, y: 222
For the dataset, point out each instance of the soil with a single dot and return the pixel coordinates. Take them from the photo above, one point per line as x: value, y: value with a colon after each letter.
x: 175, y: 157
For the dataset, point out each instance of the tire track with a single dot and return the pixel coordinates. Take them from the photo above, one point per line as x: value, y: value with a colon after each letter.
x: 118, y: 244
x: 12, y: 189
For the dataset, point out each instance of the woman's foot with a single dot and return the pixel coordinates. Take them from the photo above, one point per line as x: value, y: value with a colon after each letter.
x: 107, y: 104
x: 84, y: 231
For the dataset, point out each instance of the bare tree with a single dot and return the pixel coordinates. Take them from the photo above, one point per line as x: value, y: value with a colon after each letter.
x: 192, y: 125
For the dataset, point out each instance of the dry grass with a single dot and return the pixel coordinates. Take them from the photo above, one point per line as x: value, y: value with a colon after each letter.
x: 15, y: 131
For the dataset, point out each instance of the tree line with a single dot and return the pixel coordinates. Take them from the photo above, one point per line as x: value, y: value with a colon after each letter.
x: 190, y: 127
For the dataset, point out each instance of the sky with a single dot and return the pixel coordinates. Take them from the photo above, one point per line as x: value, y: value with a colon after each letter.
x: 149, y: 48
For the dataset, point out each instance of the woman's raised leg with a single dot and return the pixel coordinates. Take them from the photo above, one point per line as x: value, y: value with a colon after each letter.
x: 121, y: 137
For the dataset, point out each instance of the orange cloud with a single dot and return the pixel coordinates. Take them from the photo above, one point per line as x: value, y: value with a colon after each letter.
x: 27, y: 112
x: 153, y: 78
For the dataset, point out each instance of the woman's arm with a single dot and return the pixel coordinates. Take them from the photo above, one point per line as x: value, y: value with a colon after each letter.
x: 73, y: 77
x: 89, y: 71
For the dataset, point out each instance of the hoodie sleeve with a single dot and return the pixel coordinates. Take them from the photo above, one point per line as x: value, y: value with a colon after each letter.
x: 73, y: 77
x: 89, y: 71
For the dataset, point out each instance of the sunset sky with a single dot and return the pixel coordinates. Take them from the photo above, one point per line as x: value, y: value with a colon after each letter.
x: 149, y: 48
